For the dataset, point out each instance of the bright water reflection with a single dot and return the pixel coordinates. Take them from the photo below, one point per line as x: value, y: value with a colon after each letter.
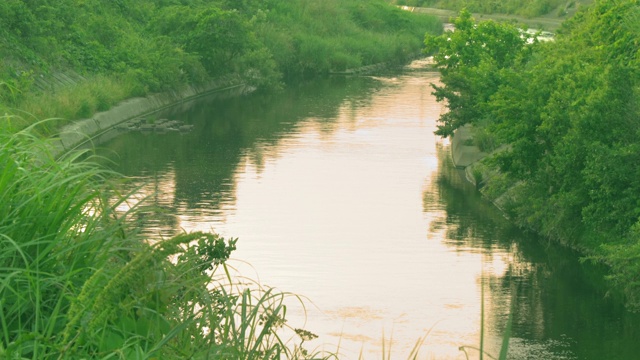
x: 340, y: 192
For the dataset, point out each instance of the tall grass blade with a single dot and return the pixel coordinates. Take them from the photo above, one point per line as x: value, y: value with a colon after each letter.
x: 481, y: 356
x: 504, y: 348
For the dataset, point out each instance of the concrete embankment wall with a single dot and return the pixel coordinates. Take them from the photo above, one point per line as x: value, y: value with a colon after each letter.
x: 468, y: 157
x: 463, y: 152
x: 83, y: 131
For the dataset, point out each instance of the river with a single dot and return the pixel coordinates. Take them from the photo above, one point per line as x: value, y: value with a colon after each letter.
x: 339, y: 192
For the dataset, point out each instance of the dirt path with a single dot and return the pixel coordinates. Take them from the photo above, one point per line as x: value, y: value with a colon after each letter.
x: 541, y: 23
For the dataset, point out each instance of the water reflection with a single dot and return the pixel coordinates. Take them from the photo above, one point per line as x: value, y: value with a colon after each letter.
x: 339, y: 191
x: 561, y: 308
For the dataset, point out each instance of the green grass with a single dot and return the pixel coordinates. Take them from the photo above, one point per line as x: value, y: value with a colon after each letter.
x: 506, y: 336
x: 74, y: 101
x: 77, y: 101
x: 75, y: 281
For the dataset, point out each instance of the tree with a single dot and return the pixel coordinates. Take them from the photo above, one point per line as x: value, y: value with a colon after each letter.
x: 470, y: 60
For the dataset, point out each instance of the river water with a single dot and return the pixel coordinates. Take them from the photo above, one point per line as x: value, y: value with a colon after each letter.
x: 339, y: 192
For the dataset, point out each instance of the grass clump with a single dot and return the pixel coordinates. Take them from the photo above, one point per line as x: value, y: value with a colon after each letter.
x: 76, y: 283
x: 99, y: 93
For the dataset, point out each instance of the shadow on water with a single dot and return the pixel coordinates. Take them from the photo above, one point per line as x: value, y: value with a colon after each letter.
x: 199, y: 167
x: 562, y: 307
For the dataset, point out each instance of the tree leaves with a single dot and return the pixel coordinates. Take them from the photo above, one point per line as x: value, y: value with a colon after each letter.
x: 471, y: 60
x: 568, y: 113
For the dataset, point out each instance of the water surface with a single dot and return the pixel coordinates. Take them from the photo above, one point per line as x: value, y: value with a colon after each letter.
x: 339, y: 191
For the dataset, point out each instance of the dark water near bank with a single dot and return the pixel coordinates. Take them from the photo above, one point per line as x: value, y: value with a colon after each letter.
x: 339, y: 191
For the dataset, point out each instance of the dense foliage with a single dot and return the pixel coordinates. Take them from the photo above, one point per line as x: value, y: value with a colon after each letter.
x: 472, y: 61
x: 132, y: 47
x: 567, y: 114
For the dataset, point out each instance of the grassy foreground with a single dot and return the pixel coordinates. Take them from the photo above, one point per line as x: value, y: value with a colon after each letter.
x: 77, y: 283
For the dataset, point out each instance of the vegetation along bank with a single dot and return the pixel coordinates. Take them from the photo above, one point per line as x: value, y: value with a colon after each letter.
x: 69, y: 59
x: 561, y: 122
x: 77, y: 282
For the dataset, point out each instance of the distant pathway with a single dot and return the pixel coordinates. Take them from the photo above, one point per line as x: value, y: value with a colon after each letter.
x: 542, y: 23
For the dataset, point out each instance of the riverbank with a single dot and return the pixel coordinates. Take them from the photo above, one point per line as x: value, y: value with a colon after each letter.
x: 83, y: 131
x: 107, y: 52
x: 463, y: 152
x: 468, y: 157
